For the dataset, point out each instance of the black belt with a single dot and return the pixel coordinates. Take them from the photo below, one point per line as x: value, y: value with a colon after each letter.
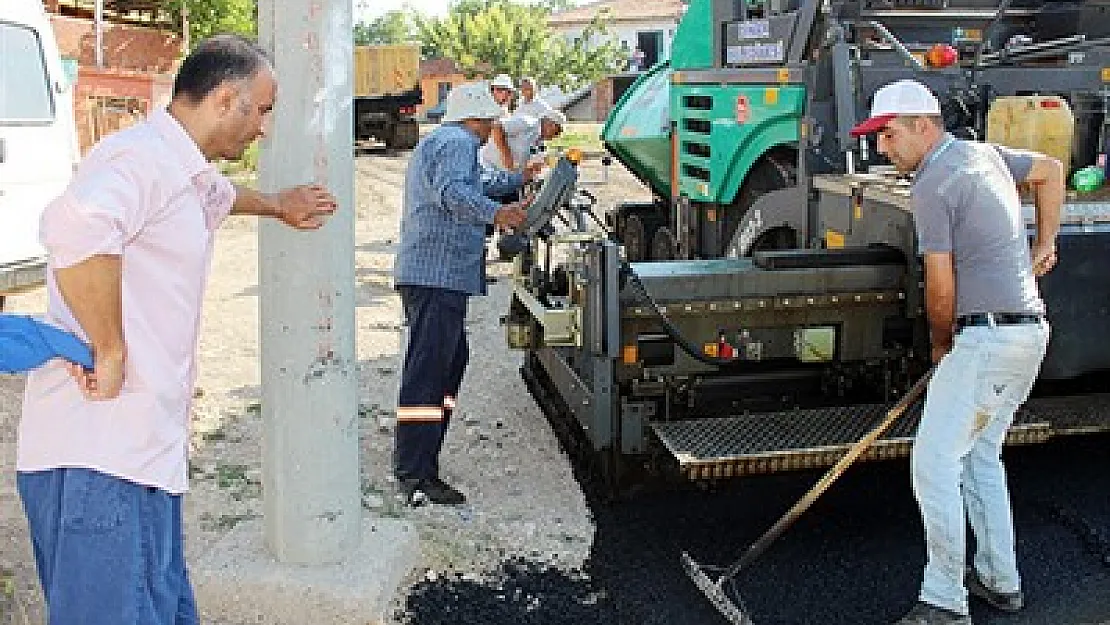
x: 999, y: 319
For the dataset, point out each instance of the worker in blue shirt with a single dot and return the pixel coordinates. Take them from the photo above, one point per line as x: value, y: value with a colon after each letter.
x: 440, y: 263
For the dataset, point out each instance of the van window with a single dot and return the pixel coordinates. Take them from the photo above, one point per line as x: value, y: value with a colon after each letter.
x: 24, y: 84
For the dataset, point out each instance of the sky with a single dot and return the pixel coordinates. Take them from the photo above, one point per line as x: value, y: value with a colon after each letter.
x: 366, y: 10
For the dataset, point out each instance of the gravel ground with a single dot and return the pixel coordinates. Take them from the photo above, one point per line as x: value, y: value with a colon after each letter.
x: 524, y: 505
x: 530, y: 547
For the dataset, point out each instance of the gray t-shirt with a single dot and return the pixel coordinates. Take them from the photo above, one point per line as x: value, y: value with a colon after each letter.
x: 965, y: 201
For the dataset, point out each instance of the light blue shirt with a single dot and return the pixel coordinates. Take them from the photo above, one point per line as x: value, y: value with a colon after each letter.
x: 446, y: 211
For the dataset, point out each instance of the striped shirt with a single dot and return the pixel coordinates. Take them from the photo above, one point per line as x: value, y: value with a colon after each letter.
x: 445, y: 213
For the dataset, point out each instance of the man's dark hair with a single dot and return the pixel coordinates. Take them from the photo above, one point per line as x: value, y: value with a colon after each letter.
x: 214, y: 61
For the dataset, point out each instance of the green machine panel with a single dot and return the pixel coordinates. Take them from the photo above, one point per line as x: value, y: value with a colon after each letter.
x: 638, y: 131
x: 724, y: 128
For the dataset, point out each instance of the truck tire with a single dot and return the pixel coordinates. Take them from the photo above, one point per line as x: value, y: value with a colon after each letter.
x: 635, y: 239
x: 769, y: 173
x: 664, y: 245
x: 405, y: 135
x: 635, y: 224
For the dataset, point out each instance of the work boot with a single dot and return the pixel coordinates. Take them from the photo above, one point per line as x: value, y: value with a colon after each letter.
x: 1005, y: 601
x: 417, y: 492
x: 925, y: 614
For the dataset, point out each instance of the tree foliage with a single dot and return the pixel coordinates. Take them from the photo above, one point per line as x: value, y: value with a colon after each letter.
x: 393, y: 27
x: 501, y: 36
x: 212, y: 17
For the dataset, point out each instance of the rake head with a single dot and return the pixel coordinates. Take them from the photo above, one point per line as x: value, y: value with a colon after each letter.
x: 731, y: 609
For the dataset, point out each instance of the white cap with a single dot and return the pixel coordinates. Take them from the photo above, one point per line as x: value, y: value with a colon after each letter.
x: 554, y: 115
x: 904, y: 97
x: 471, y: 100
x: 503, y: 81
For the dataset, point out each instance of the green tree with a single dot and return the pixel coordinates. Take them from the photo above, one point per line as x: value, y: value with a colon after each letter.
x: 393, y: 27
x: 211, y: 17
x: 502, y: 36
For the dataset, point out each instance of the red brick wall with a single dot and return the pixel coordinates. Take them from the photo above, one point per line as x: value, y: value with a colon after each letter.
x: 125, y: 47
x: 97, y: 117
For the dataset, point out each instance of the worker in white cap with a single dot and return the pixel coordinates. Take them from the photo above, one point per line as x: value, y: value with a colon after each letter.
x: 502, y: 89
x: 512, y: 139
x: 529, y: 105
x: 988, y: 333
x: 439, y: 264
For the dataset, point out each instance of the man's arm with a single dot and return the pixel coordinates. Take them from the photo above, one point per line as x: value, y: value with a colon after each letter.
x: 499, y: 183
x: 249, y: 201
x: 303, y: 207
x: 940, y: 301
x: 93, y: 292
x: 1047, y: 179
x: 501, y: 141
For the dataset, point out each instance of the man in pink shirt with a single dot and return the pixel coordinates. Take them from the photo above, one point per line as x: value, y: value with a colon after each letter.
x: 102, y: 453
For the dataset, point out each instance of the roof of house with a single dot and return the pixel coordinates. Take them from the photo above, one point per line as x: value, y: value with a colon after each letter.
x: 438, y: 67
x: 620, y: 11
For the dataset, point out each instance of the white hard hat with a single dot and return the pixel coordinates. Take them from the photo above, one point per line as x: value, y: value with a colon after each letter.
x: 904, y: 97
x: 471, y: 100
x: 554, y: 115
x: 503, y: 81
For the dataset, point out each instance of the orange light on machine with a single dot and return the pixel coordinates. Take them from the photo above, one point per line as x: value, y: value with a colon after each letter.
x: 574, y: 155
x: 630, y: 354
x: 942, y: 55
x: 711, y: 349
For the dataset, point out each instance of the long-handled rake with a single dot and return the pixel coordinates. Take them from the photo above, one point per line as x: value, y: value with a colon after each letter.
x: 721, y: 592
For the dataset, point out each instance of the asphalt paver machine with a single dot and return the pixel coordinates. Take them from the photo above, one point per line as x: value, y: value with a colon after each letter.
x: 766, y: 308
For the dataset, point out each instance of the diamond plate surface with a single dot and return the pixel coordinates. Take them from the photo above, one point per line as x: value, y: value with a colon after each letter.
x: 798, y: 439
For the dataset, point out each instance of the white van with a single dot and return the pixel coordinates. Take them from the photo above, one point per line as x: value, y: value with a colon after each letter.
x: 38, y: 139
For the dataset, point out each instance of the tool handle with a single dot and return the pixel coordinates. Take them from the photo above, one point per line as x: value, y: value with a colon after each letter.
x: 759, y: 546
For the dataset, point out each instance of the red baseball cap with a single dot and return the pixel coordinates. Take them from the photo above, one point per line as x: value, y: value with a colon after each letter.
x: 904, y: 97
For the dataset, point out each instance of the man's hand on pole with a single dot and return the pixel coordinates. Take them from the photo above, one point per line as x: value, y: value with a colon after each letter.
x: 304, y: 207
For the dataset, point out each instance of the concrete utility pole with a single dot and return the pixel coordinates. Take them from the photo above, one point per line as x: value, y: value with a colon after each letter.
x: 98, y: 34
x: 310, y: 463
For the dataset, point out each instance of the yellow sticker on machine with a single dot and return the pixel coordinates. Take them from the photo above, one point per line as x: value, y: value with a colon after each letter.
x: 833, y: 240
x: 1106, y: 74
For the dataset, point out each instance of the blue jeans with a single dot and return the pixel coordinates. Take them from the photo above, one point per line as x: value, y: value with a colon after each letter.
x: 109, y: 552
x: 957, y: 457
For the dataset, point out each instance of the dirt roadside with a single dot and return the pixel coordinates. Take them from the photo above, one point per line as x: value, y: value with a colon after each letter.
x: 524, y: 501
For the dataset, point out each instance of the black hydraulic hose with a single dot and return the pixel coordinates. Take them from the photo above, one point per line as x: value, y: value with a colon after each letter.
x: 668, y: 326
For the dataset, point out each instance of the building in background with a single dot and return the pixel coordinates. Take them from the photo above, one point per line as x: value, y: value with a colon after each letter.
x: 123, y: 63
x: 647, y: 26
x: 437, y: 78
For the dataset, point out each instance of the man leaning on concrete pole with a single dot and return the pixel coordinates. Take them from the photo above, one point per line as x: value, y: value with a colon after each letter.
x: 102, y: 453
x: 988, y: 334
